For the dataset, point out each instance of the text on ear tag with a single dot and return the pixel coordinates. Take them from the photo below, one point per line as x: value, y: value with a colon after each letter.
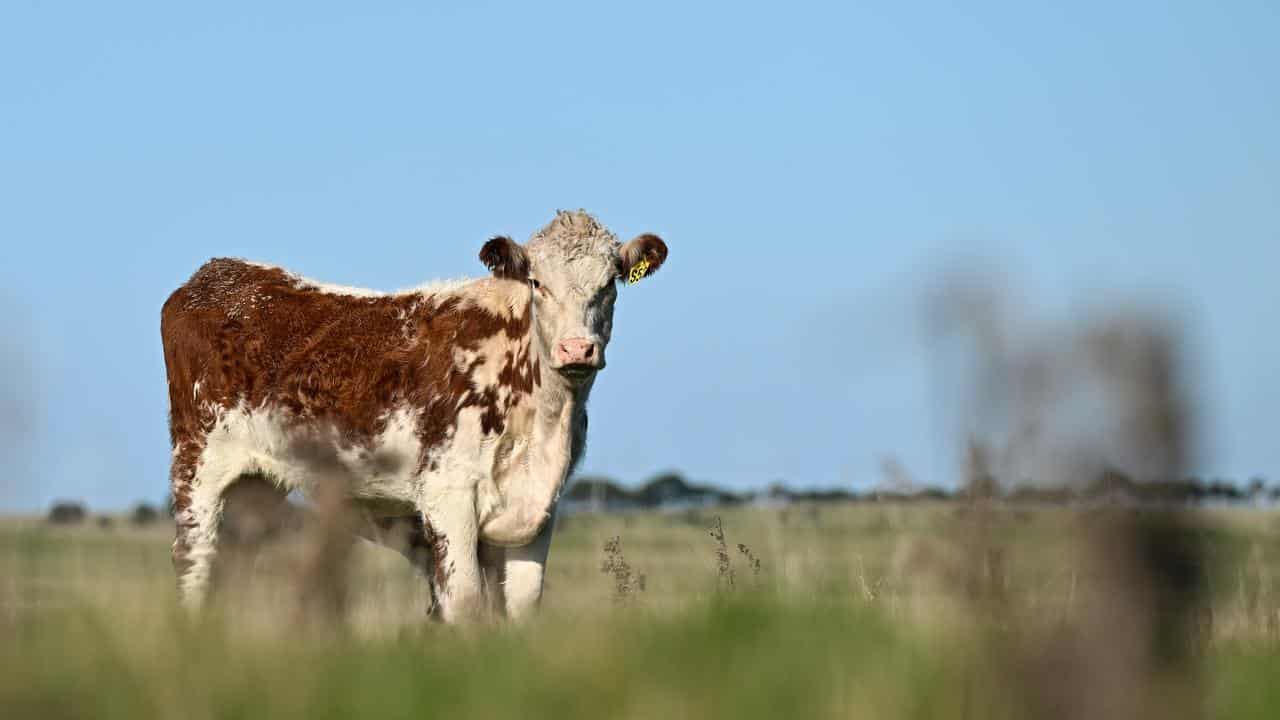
x: 638, y: 271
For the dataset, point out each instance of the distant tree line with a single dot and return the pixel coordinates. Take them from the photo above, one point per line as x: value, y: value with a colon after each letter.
x: 672, y: 491
x: 72, y: 512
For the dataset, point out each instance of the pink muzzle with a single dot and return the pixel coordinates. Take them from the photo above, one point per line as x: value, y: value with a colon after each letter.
x: 578, y: 351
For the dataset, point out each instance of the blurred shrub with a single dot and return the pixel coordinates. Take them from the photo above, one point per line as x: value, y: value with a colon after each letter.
x: 144, y: 514
x: 67, y: 512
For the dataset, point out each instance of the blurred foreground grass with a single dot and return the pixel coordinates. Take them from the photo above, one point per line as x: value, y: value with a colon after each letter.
x: 858, y: 611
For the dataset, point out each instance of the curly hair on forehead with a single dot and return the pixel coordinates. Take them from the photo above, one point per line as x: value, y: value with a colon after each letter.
x: 574, y: 234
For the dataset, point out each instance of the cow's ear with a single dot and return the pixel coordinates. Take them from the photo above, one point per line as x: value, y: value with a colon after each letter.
x: 505, y: 258
x: 641, y: 257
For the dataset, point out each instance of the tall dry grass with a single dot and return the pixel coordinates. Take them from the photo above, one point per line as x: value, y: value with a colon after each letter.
x: 93, y: 629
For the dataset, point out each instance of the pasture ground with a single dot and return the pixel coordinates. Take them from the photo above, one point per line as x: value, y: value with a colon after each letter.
x: 864, y: 611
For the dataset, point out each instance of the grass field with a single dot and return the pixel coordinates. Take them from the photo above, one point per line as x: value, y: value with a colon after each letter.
x: 866, y: 611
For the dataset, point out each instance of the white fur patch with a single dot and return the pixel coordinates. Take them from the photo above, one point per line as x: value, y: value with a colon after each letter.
x: 263, y: 440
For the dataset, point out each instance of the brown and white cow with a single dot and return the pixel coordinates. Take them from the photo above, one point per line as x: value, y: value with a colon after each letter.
x: 462, y: 404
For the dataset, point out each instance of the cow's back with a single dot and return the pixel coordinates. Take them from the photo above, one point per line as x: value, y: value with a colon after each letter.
x: 239, y: 332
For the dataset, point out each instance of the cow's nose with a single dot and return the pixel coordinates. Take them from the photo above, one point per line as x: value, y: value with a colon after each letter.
x: 577, y: 351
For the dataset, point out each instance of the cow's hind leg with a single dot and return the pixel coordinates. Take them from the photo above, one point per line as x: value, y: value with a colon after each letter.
x: 196, y: 518
x: 255, y: 511
x: 199, y: 498
x: 196, y: 548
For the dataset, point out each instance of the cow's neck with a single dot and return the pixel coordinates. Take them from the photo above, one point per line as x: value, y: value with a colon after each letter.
x: 531, y: 489
x: 557, y: 401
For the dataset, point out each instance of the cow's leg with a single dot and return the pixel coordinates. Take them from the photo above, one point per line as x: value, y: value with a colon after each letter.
x: 407, y: 536
x: 195, y: 525
x: 449, y: 516
x: 197, y: 544
x: 199, y: 486
x: 493, y: 572
x: 523, y: 572
x: 255, y: 510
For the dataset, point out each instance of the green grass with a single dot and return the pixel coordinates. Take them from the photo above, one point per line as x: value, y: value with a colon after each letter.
x: 859, y: 611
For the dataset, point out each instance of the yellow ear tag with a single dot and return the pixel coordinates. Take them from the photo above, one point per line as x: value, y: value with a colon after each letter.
x: 638, y: 271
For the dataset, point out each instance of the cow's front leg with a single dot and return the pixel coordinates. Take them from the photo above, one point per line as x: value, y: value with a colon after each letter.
x: 523, y: 573
x: 449, y: 517
x: 492, y: 562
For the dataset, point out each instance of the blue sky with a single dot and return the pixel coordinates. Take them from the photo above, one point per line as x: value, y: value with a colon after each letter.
x: 810, y: 165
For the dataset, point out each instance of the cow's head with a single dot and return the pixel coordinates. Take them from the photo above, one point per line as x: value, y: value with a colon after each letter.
x: 572, y: 268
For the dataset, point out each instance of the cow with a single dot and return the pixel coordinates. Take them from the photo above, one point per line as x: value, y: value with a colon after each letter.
x: 459, y: 407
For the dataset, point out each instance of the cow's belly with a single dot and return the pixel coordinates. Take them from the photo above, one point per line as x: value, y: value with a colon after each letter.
x: 303, y: 457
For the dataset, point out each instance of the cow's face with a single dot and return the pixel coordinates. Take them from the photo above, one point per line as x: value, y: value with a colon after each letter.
x: 573, y: 268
